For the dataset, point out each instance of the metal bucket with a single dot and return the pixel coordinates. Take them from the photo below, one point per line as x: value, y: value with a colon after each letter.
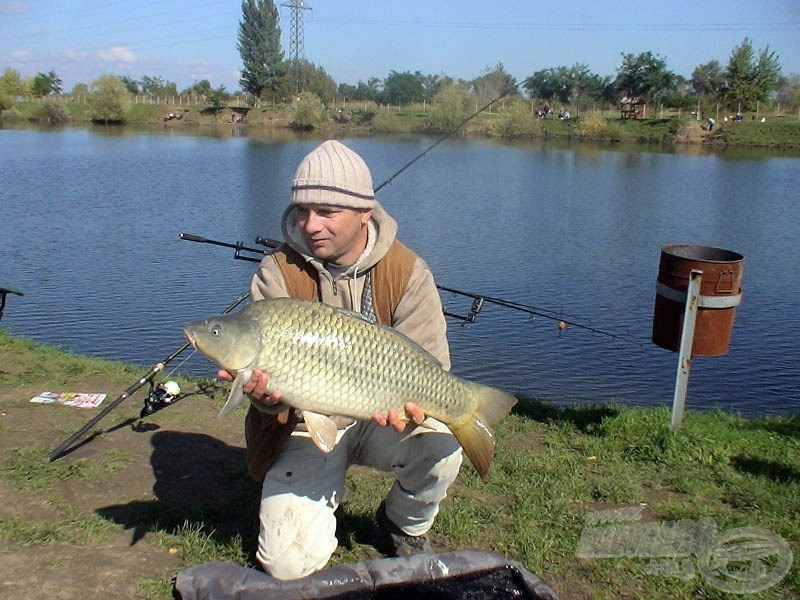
x: 720, y: 293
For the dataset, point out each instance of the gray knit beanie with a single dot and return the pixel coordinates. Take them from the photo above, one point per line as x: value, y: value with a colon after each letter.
x: 333, y: 174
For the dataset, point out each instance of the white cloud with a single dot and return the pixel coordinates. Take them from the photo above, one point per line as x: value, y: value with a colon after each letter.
x: 116, y: 54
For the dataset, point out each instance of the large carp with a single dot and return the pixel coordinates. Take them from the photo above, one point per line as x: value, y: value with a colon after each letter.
x: 328, y: 361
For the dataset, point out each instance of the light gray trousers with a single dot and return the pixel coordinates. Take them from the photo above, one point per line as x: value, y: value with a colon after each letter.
x: 304, y: 486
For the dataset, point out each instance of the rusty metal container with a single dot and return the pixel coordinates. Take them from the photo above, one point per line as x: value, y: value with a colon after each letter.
x: 720, y: 293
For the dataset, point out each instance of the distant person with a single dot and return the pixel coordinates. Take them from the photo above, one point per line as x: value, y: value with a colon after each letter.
x: 710, y: 123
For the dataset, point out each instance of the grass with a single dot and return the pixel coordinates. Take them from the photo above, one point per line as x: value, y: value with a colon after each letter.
x: 27, y: 468
x: 780, y: 131
x: 661, y: 127
x: 555, y: 468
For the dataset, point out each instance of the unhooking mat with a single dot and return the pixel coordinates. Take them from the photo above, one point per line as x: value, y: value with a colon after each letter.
x: 466, y: 575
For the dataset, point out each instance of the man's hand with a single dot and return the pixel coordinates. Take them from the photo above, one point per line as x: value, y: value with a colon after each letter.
x: 393, y: 419
x: 255, y: 387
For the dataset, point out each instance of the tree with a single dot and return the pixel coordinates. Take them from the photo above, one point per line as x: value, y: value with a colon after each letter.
x: 217, y: 98
x: 80, y: 89
x: 11, y: 83
x: 157, y: 86
x: 586, y: 85
x: 750, y: 79
x: 313, y: 79
x: 371, y: 90
x: 566, y: 84
x: 431, y: 84
x: 403, y: 88
x: 493, y: 84
x: 130, y: 84
x: 108, y: 99
x: 644, y: 75
x: 46, y: 84
x: 708, y: 80
x: 789, y: 93
x: 260, y: 48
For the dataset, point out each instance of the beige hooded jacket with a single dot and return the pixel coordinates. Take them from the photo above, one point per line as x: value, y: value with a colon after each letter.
x: 419, y: 314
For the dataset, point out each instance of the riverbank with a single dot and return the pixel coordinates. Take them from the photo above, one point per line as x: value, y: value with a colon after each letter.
x: 776, y: 131
x: 139, y: 500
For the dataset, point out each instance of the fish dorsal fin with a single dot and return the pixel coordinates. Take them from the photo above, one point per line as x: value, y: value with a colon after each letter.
x: 322, y: 429
x: 236, y: 395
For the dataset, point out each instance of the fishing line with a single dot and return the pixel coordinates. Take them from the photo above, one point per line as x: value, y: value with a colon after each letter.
x: 449, y: 134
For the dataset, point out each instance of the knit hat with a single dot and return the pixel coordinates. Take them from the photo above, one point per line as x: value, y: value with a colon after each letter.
x: 333, y: 174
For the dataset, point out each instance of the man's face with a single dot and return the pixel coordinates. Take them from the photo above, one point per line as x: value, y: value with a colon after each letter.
x: 333, y: 233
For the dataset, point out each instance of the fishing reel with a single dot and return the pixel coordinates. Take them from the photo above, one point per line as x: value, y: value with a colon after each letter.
x: 160, y: 396
x: 477, y: 305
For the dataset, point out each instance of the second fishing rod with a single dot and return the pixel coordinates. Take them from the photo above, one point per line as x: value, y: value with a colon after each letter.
x: 267, y: 245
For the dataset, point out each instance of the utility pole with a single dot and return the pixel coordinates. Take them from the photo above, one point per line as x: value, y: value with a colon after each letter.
x: 296, y: 42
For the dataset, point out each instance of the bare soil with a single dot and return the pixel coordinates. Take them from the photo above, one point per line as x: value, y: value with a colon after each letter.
x: 173, y: 462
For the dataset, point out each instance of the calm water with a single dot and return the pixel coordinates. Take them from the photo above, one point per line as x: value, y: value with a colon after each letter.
x: 91, y: 219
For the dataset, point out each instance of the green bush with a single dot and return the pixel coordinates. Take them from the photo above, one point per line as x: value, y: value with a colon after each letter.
x: 109, y: 99
x: 53, y: 113
x: 449, y: 109
x: 308, y: 111
x: 592, y: 125
x: 6, y: 101
x: 515, y: 121
x: 386, y: 121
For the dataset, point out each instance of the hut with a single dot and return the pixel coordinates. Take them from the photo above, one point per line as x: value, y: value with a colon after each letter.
x: 632, y: 108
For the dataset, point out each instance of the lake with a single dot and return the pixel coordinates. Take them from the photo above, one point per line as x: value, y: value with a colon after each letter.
x: 91, y: 219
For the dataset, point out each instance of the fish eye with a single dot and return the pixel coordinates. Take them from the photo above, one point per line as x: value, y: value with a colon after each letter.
x: 216, y: 329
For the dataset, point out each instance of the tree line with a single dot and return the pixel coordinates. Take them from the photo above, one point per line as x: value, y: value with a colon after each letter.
x: 750, y: 76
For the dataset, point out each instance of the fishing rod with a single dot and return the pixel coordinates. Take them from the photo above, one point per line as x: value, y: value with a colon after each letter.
x: 449, y: 134
x: 159, y: 397
x: 478, y: 300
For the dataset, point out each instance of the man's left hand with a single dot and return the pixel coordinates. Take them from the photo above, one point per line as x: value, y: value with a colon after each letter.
x: 414, y: 414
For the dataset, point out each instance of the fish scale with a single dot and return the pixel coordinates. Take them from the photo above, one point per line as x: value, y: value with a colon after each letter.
x: 328, y: 361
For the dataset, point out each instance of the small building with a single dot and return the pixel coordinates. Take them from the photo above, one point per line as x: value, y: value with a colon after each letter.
x: 632, y: 108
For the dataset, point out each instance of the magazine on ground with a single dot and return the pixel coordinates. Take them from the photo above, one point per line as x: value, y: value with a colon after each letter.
x: 78, y: 399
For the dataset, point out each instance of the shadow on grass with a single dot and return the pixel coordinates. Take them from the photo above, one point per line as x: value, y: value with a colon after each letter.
x: 770, y: 469
x: 786, y: 425
x: 584, y: 418
x: 359, y: 529
x: 201, y: 482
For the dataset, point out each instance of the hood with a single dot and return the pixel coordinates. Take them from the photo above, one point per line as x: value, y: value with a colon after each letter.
x: 382, y: 233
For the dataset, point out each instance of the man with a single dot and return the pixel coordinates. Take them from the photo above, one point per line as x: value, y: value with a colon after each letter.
x: 340, y: 248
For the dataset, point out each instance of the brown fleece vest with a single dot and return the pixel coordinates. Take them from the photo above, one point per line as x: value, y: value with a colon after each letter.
x: 389, y: 278
x: 265, y: 434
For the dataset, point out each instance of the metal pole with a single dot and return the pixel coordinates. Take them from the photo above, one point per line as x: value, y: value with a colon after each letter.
x: 685, y: 349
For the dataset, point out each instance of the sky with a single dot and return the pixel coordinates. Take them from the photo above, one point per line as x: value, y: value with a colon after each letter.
x: 186, y: 41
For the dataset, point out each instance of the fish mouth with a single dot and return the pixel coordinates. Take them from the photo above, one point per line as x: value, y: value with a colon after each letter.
x: 190, y: 337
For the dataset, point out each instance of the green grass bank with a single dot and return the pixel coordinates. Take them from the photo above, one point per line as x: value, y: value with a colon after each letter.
x: 584, y: 496
x: 513, y: 121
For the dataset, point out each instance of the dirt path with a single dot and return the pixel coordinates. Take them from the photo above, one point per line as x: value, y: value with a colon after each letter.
x: 178, y: 460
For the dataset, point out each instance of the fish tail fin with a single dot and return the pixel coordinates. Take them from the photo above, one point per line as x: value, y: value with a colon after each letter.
x: 474, y: 434
x: 236, y: 395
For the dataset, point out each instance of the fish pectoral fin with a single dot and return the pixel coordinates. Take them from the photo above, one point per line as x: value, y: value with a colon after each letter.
x: 426, y: 423
x: 322, y: 429
x: 236, y: 395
